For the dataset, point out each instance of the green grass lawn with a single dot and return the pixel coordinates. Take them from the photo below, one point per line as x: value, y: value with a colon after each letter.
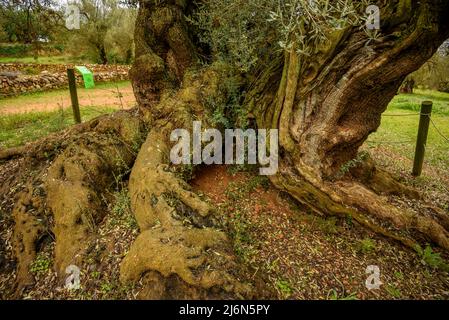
x: 18, y: 129
x: 399, y: 132
x: 44, y: 60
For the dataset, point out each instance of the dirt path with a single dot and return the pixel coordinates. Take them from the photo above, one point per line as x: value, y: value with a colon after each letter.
x: 103, y: 95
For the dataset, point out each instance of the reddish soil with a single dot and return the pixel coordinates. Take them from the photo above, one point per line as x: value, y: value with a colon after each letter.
x: 304, y: 256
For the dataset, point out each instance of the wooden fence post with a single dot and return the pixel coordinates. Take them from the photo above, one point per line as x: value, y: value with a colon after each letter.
x: 421, y: 142
x: 74, y: 95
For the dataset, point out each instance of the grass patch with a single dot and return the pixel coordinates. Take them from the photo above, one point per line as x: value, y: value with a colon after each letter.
x: 399, y: 275
x: 62, y: 59
x: 243, y: 242
x: 121, y: 210
x: 333, y: 295
x: 393, y: 291
x: 18, y: 129
x: 412, y: 102
x: 41, y: 264
x: 284, y: 288
x: 432, y: 259
x: 366, y: 245
x: 399, y: 132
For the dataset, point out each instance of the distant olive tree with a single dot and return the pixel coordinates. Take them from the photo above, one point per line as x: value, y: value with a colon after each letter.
x: 106, y: 31
x: 29, y: 21
x: 434, y: 74
x: 119, y: 39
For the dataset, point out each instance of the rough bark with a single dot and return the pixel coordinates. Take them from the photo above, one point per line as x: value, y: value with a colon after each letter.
x: 65, y: 199
x: 325, y: 107
x: 179, y: 231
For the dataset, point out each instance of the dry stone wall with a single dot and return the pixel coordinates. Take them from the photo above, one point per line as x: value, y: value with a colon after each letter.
x: 15, y: 81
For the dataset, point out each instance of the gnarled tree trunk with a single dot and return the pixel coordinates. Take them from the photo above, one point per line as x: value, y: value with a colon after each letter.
x: 325, y: 106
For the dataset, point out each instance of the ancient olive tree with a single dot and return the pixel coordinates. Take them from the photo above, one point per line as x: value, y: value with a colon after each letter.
x: 308, y: 68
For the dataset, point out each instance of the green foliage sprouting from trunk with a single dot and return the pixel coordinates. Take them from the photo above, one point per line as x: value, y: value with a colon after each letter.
x: 243, y: 31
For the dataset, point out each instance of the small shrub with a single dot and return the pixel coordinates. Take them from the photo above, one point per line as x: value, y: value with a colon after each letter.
x: 122, y: 203
x: 59, y: 47
x: 14, y: 50
x: 284, y: 288
x: 366, y: 245
x: 393, y: 291
x: 122, y: 210
x: 432, y: 259
x: 41, y: 264
x: 361, y: 157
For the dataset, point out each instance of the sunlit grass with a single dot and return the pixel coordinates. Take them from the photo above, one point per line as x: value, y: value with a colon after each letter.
x: 412, y: 102
x: 18, y: 129
x: 44, y: 60
x: 399, y: 132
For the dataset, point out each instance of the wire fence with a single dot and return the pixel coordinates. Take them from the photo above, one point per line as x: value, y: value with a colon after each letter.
x: 437, y: 152
x: 438, y: 130
x: 435, y: 126
x: 117, y: 94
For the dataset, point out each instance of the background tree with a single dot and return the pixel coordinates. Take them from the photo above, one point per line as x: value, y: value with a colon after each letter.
x: 119, y: 39
x: 106, y: 31
x: 105, y: 34
x: 30, y: 21
x: 434, y: 74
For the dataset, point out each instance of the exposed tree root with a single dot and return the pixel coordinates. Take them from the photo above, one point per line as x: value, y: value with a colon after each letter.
x: 150, y: 180
x: 67, y: 199
x: 157, y: 286
x: 29, y: 227
x: 177, y: 242
x: 381, y: 181
x: 9, y: 153
x: 180, y: 235
x: 359, y: 196
x: 349, y: 198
